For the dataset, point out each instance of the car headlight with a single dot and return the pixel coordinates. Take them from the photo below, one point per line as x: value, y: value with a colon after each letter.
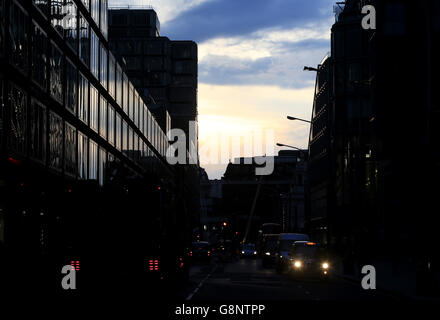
x: 242, y: 252
x: 267, y: 253
x: 297, y: 264
x: 255, y: 252
x: 325, y: 265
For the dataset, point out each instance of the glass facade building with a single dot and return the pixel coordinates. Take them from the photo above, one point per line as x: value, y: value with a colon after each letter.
x: 65, y: 100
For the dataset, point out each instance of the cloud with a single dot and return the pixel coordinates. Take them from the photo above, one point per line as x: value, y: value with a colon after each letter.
x: 226, y: 18
x: 166, y: 9
x: 266, y: 57
x: 240, y: 111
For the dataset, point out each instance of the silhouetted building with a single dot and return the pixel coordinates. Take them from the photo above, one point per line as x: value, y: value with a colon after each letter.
x: 383, y: 137
x: 280, y: 198
x: 83, y: 165
x: 320, y: 175
x: 162, y: 70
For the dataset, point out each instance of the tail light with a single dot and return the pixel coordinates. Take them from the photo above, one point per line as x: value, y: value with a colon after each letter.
x: 153, y: 265
x: 75, y: 264
x: 181, y: 263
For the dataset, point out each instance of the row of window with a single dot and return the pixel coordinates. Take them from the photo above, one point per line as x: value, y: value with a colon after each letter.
x: 47, y: 138
x: 50, y: 68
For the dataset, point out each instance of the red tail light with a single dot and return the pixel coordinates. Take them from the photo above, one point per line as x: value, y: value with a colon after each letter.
x: 75, y: 264
x: 153, y: 265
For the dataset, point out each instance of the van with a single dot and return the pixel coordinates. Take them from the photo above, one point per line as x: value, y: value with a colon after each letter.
x: 284, y: 245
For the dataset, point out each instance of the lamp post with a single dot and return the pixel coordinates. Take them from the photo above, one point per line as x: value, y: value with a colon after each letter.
x: 299, y: 119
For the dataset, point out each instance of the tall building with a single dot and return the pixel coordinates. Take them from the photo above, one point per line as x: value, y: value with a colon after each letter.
x: 320, y: 175
x: 83, y: 165
x: 382, y: 140
x: 279, y: 197
x: 164, y: 71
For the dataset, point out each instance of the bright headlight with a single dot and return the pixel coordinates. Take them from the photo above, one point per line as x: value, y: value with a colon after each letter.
x: 242, y: 252
x: 267, y: 253
x: 255, y: 252
x: 325, y: 265
x: 297, y: 264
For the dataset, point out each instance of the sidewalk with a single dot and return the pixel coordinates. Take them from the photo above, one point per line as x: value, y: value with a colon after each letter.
x: 401, y: 283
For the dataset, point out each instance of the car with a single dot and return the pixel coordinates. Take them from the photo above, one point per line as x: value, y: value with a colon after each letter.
x: 248, y: 250
x: 284, y: 244
x: 308, y: 259
x: 268, y: 249
x: 200, y: 251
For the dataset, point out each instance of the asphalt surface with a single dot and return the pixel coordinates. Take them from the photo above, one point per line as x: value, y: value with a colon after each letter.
x: 247, y: 280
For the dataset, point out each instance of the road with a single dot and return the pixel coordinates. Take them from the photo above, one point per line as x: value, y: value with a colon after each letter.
x: 246, y: 279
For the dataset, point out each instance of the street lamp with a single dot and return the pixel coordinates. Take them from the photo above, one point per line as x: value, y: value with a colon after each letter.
x: 287, y: 146
x: 311, y: 69
x: 299, y: 119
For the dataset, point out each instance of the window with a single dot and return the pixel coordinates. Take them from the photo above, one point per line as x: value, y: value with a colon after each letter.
x: 83, y: 105
x: 111, y: 75
x: 70, y: 150
x: 111, y: 125
x: 55, y: 141
x: 83, y: 148
x: 130, y: 142
x: 118, y: 132
x: 130, y: 102
x: 103, y: 69
x: 103, y: 21
x: 118, y: 85
x: 19, y: 36
x: 70, y: 25
x: 103, y: 117
x: 43, y: 5
x: 124, y: 136
x: 56, y: 73
x: 141, y: 115
x: 93, y: 160
x: 17, y: 137
x: 94, y: 54
x: 71, y: 87
x: 136, y: 110
x: 56, y: 15
x: 39, y: 56
x: 84, y: 40
x: 102, y: 166
x: 145, y: 132
x: 125, y: 94
x: 94, y: 10
x: 37, y: 143
x: 93, y: 108
x: 86, y: 4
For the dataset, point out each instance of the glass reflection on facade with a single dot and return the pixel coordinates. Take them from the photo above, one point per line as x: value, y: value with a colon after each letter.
x: 83, y: 147
x: 93, y: 160
x: 39, y: 56
x: 53, y: 105
x: 57, y: 14
x: 17, y: 138
x: 71, y: 87
x: 70, y: 150
x: 37, y: 142
x: 56, y: 73
x: 94, y: 54
x: 70, y: 25
x: 83, y: 100
x: 55, y: 141
x: 83, y: 39
x: 103, y: 117
x: 93, y: 108
x: 19, y: 37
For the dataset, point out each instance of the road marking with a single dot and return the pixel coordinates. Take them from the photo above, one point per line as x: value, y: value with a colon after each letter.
x: 200, y: 284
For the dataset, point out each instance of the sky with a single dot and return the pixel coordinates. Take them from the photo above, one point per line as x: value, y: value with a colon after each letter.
x: 251, y: 57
